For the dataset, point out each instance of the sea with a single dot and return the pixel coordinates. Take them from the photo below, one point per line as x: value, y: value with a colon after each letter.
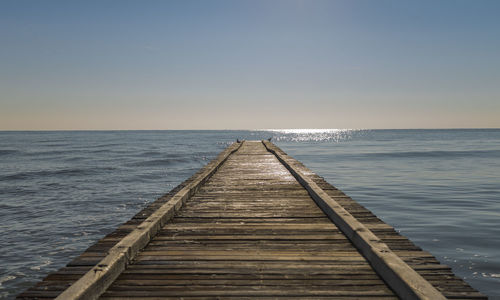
x: 61, y: 191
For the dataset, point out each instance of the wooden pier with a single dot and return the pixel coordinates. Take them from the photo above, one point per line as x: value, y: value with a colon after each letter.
x: 254, y: 223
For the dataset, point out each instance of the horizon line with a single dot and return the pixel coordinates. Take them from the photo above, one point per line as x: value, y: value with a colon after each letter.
x: 254, y: 129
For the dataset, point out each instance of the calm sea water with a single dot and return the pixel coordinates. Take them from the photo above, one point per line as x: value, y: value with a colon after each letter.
x: 62, y: 191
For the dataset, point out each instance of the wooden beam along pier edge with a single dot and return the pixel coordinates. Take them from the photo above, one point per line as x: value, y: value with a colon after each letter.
x: 254, y: 223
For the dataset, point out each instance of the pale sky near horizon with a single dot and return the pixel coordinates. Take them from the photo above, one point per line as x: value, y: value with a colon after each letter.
x: 249, y: 64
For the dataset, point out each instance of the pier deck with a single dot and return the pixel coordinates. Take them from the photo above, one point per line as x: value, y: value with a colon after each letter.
x: 254, y: 223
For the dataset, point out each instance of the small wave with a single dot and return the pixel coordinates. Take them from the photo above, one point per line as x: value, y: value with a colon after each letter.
x: 100, y: 151
x: 108, y: 145
x: 55, y: 145
x: 75, y: 158
x: 429, y: 154
x: 6, y: 278
x: 53, y: 173
x: 53, y: 152
x: 8, y: 151
x: 44, y: 264
x: 159, y: 162
x: 151, y: 153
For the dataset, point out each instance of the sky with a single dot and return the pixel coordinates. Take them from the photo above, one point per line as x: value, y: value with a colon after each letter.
x: 97, y: 65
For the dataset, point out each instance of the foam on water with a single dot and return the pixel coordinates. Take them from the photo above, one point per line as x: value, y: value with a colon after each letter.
x: 62, y: 191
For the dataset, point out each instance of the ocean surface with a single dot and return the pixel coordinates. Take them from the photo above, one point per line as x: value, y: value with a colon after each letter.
x: 61, y: 191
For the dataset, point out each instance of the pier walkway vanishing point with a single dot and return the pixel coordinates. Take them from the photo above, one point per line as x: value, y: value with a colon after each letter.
x: 254, y: 223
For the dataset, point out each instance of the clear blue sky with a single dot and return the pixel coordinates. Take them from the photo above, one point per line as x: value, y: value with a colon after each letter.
x: 249, y: 64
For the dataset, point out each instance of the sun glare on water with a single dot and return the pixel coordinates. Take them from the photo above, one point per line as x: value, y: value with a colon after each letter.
x: 311, y: 134
x: 306, y: 130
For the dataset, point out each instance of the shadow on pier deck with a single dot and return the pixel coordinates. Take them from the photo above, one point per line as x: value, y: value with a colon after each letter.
x: 254, y: 223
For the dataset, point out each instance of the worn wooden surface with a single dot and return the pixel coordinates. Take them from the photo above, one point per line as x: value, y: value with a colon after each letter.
x: 252, y: 231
